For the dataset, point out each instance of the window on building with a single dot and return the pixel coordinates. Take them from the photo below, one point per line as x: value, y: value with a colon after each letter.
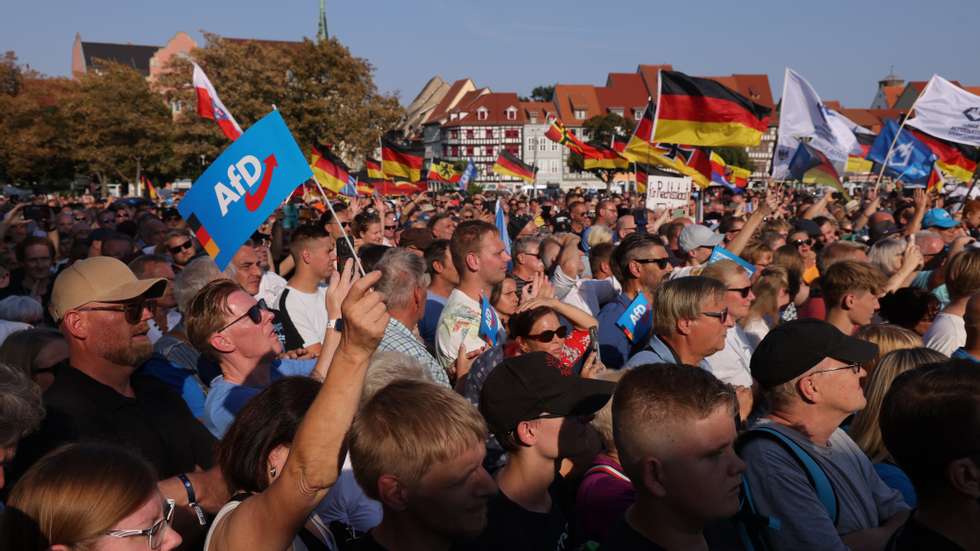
x: 533, y: 141
x: 554, y: 147
x: 533, y: 119
x: 543, y: 146
x: 469, y: 134
x: 469, y: 150
x: 511, y: 114
x: 490, y: 151
x: 617, y: 111
x: 481, y: 114
x: 580, y: 114
x: 454, y: 134
x: 511, y: 133
x: 488, y: 134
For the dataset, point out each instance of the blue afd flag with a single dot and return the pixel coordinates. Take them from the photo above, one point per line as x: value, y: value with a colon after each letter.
x: 636, y: 321
x: 243, y: 187
x: 721, y: 253
x: 501, y: 223
x: 468, y: 175
x: 911, y: 160
x: 488, y: 322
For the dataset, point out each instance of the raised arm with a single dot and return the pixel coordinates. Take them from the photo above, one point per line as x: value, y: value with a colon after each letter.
x: 271, y: 519
x: 769, y: 206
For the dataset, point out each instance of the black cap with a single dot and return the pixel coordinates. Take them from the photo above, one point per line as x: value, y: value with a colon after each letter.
x: 792, y: 348
x: 516, y: 224
x: 526, y: 386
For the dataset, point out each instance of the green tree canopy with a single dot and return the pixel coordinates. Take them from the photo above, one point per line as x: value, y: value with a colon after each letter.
x: 543, y: 93
x: 735, y: 156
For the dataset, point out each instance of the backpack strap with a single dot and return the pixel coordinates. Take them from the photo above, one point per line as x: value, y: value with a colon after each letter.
x: 608, y: 470
x: 293, y: 339
x: 814, y: 472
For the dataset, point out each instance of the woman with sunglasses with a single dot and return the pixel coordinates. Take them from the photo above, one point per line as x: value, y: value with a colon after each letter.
x: 537, y: 327
x: 96, y: 497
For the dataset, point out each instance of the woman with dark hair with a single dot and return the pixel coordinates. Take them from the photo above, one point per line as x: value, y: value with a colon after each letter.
x: 88, y: 496
x: 367, y: 229
x: 910, y: 307
x: 537, y: 328
x: 504, y: 299
x: 36, y: 352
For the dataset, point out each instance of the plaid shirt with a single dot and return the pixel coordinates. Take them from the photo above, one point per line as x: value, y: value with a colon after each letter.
x: 399, y: 338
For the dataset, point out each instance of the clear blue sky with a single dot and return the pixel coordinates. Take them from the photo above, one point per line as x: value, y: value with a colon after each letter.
x: 841, y: 47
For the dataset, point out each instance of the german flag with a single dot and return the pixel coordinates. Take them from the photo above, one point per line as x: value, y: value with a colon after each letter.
x: 619, y: 143
x: 956, y: 160
x: 203, y: 237
x: 561, y: 135
x: 740, y: 176
x: 329, y: 170
x: 642, y: 175
x: 372, y: 168
x: 640, y: 149
x: 509, y: 165
x: 602, y: 157
x: 810, y: 166
x: 443, y: 171
x: 703, y: 112
x: 400, y: 162
x: 936, y: 180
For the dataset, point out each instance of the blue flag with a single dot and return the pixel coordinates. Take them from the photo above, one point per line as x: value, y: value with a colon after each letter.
x: 468, y: 175
x: 243, y: 186
x: 721, y: 253
x: 501, y: 223
x: 350, y: 188
x: 911, y: 160
x: 637, y: 320
x: 488, y: 322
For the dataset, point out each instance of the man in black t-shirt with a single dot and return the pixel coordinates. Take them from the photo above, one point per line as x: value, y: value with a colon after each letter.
x: 930, y: 422
x: 674, y: 427
x: 539, y: 417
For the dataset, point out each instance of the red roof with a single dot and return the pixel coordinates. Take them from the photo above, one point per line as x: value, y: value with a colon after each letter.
x: 540, y: 109
x: 754, y: 87
x: 833, y: 104
x: 649, y: 75
x: 574, y: 97
x: 872, y: 119
x: 495, y: 105
x: 445, y: 104
x: 892, y: 93
x: 624, y: 91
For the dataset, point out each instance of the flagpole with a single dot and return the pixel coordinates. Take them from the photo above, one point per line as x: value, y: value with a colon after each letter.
x: 898, y: 133
x: 357, y: 259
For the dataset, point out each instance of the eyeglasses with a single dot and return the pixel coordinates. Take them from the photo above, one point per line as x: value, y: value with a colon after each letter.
x: 660, y: 262
x: 855, y: 368
x: 133, y: 311
x: 155, y: 533
x: 182, y: 247
x: 720, y: 316
x: 549, y: 335
x: 798, y: 242
x: 254, y: 313
x: 743, y: 291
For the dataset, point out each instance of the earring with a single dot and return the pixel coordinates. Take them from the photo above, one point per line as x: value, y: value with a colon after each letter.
x: 272, y: 472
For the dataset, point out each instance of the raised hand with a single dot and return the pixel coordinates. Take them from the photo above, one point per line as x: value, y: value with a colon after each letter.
x: 339, y: 286
x: 365, y: 314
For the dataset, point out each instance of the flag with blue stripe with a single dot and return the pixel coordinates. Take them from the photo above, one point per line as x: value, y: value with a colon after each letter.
x: 501, y: 223
x: 911, y: 160
x: 350, y: 188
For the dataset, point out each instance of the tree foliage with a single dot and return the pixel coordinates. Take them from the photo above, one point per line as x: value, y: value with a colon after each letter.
x: 543, y: 93
x: 600, y: 129
x: 735, y: 156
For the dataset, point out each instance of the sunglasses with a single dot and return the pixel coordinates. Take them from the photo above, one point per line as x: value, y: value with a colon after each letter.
x: 661, y: 263
x: 549, y: 335
x: 154, y: 533
x: 720, y: 316
x: 798, y: 242
x: 182, y: 247
x: 391, y: 228
x: 254, y: 313
x: 743, y: 292
x: 132, y: 311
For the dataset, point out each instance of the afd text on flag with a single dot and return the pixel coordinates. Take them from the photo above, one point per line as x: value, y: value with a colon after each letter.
x: 243, y: 186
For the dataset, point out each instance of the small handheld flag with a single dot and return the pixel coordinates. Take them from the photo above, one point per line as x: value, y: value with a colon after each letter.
x: 721, y: 253
x: 501, y: 222
x: 635, y: 321
x: 210, y: 107
x: 488, y: 322
x: 468, y: 175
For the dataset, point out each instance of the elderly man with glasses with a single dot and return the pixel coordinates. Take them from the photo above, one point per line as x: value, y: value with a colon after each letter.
x: 810, y: 375
x: 690, y: 321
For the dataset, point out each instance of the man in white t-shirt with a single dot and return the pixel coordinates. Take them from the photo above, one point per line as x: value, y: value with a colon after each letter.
x: 303, y: 301
x: 481, y: 261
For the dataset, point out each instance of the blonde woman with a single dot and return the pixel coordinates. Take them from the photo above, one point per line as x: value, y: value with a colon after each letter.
x: 865, y: 431
x: 95, y: 497
x: 772, y: 294
x: 888, y: 337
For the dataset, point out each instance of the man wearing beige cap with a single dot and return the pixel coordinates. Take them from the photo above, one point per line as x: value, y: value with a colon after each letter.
x: 102, y: 310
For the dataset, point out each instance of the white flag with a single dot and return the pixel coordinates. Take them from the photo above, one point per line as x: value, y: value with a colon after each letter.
x: 946, y: 111
x: 803, y: 115
x: 209, y: 105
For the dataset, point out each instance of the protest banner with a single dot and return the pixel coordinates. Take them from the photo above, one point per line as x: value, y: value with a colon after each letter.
x: 668, y: 192
x: 243, y: 186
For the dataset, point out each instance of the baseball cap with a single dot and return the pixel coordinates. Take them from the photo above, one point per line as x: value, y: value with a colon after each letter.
x: 420, y: 238
x: 696, y: 235
x: 793, y: 347
x: 938, y: 218
x: 526, y: 386
x: 99, y: 279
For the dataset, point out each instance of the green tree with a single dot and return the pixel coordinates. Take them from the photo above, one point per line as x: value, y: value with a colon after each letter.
x: 600, y: 129
x: 543, y: 93
x: 735, y: 156
x: 118, y: 126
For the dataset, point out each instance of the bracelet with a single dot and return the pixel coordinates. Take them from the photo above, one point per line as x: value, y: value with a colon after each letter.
x: 192, y: 499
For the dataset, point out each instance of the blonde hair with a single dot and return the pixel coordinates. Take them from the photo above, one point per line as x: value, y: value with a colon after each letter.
x: 724, y: 271
x: 963, y: 274
x: 599, y: 234
x: 603, y: 421
x: 682, y: 298
x: 889, y: 338
x: 206, y: 313
x: 74, y: 495
x: 393, y: 435
x: 766, y: 290
x: 865, y: 430
x: 850, y: 276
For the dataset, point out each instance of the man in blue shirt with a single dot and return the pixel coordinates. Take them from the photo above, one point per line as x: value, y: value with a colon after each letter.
x: 444, y: 278
x: 639, y: 263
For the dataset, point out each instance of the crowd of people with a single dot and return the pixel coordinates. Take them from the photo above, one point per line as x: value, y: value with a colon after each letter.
x: 786, y: 369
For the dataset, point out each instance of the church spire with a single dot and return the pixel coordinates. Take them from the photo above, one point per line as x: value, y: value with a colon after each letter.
x: 321, y: 32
